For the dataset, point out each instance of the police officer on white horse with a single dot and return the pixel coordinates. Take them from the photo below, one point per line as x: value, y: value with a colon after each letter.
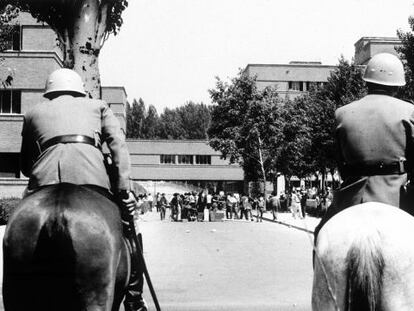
x: 375, y: 137
x: 61, y: 143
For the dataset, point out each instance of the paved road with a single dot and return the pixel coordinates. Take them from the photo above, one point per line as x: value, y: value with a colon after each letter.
x: 232, y: 265
x: 228, y: 266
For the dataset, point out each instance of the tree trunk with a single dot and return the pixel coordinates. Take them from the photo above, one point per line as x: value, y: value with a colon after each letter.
x: 88, y: 36
x: 263, y: 170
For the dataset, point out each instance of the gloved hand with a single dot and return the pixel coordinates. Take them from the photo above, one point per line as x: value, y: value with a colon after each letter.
x: 129, y: 203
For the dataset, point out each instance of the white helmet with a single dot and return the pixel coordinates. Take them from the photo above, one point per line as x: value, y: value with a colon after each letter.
x: 385, y: 69
x: 64, y: 80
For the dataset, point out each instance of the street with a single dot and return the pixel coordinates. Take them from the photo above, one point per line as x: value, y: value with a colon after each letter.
x: 232, y: 265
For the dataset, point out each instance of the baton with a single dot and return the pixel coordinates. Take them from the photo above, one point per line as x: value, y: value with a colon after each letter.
x: 137, y: 240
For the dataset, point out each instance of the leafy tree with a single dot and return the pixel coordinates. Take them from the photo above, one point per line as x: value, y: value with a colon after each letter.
x: 82, y: 27
x: 247, y: 126
x: 344, y: 85
x: 7, y: 29
x: 406, y: 51
x: 135, y: 119
x: 261, y: 137
x: 294, y: 154
x: 195, y: 120
x: 151, y: 124
x: 189, y: 121
x: 170, y: 125
x: 232, y: 102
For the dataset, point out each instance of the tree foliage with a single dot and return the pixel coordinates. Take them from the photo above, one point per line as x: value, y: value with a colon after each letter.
x: 7, y: 30
x: 406, y: 51
x: 189, y: 121
x: 82, y: 27
x: 344, y: 85
x: 267, y: 135
x: 247, y: 125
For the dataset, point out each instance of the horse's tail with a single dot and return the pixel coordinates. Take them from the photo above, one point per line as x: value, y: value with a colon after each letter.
x: 55, y: 257
x: 365, y: 265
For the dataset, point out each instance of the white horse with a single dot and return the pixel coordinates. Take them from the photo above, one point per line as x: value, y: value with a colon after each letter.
x: 365, y: 260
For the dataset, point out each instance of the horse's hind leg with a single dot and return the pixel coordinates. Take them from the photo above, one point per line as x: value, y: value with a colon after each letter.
x: 98, y: 249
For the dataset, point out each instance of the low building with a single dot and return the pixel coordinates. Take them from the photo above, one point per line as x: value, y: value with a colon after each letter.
x: 192, y: 161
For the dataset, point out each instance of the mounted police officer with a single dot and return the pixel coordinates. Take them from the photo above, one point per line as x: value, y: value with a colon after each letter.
x: 375, y: 137
x: 61, y: 143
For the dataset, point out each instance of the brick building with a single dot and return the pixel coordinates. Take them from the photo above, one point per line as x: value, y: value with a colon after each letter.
x: 33, y: 54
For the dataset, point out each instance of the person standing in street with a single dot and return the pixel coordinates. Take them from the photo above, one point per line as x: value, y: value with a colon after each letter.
x: 163, y: 203
x: 260, y: 208
x: 274, y: 204
x: 295, y: 204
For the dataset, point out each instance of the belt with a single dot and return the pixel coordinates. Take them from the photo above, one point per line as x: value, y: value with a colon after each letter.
x: 362, y: 169
x: 69, y: 139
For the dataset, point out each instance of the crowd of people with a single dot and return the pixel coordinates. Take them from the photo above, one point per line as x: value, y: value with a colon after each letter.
x: 301, y: 201
x: 206, y: 206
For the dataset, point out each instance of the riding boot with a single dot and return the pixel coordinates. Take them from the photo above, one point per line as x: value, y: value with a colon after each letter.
x: 133, y: 298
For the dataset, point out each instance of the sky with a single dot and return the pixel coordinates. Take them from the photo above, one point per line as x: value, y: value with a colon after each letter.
x: 168, y: 52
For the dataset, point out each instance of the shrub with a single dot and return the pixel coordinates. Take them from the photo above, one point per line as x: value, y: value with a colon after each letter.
x: 7, y: 207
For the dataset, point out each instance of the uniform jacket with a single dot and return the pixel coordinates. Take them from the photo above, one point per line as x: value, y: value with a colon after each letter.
x: 75, y: 163
x: 374, y: 129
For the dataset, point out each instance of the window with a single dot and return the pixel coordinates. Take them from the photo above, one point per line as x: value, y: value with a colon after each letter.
x: 203, y: 159
x: 167, y: 159
x: 314, y: 85
x: 185, y: 159
x: 296, y: 85
x: 10, y: 101
x: 9, y: 165
x: 11, y: 37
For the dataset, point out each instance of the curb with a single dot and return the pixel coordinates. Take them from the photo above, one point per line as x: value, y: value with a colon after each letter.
x: 286, y: 224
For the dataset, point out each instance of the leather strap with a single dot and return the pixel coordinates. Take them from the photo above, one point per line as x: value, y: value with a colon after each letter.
x: 69, y: 139
x: 362, y: 169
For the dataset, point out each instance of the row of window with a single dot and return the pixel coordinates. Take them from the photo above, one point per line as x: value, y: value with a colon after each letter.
x: 185, y: 159
x: 304, y: 85
x: 10, y: 101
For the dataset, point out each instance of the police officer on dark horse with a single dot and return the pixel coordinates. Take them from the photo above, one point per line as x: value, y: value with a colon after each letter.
x: 61, y: 149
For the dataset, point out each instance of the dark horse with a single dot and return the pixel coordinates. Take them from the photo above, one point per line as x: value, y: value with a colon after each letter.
x: 64, y: 250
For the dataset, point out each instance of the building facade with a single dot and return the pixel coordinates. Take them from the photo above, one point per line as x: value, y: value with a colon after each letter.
x: 192, y: 161
x: 366, y: 47
x: 33, y: 54
x: 290, y: 80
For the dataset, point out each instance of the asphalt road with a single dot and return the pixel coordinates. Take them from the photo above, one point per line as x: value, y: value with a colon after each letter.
x: 227, y: 265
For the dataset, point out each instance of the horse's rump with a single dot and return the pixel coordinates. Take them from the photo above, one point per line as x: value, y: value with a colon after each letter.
x: 364, y: 260
x: 62, y: 249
